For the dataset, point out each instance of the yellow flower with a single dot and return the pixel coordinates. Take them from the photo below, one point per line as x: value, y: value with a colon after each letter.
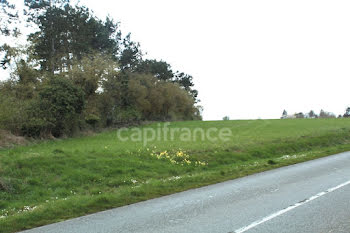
x: 163, y: 153
x: 179, y: 153
x: 187, y: 161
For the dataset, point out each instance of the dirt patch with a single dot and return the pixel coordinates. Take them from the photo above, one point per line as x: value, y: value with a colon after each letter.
x: 7, y: 139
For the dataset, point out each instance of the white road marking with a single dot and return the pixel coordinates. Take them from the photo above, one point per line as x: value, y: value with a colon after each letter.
x: 289, y: 208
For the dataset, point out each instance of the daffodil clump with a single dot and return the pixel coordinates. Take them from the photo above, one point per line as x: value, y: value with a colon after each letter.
x: 177, y: 157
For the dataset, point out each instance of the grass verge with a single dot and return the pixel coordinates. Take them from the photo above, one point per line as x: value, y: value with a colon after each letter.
x: 57, y: 180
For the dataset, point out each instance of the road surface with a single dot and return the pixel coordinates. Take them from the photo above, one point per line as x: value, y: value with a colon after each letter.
x: 308, y: 197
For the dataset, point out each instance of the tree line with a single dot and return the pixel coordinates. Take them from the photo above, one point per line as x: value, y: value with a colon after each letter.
x: 77, y: 71
x: 312, y: 114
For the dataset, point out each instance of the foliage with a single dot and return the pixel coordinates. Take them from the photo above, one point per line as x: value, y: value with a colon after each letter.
x: 160, y: 100
x: 78, y: 71
x: 130, y: 55
x: 284, y: 114
x: 347, y: 112
x: 159, y: 69
x: 68, y: 32
x: 324, y: 114
x: 11, y: 114
x: 36, y: 124
x: 312, y: 114
x: 89, y: 72
x: 92, y: 119
x: 226, y: 118
x: 299, y: 115
x: 61, y: 103
x: 126, y: 116
x: 8, y: 19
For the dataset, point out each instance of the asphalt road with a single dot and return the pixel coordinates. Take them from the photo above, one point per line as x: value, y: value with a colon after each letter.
x: 309, y: 197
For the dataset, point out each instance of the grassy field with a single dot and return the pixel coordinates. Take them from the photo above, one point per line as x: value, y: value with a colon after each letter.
x: 55, y: 180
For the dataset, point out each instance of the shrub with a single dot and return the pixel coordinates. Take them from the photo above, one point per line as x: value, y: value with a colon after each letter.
x: 127, y: 116
x: 92, y: 119
x: 60, y: 104
x: 12, y: 113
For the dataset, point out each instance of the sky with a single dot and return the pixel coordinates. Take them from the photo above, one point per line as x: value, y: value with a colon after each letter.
x: 250, y: 59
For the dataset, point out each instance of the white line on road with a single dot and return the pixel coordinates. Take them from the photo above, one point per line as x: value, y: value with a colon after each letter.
x: 276, y: 214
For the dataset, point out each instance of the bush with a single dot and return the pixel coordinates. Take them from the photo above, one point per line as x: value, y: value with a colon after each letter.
x: 127, y: 116
x: 92, y: 119
x: 60, y: 104
x: 35, y: 123
x: 12, y: 113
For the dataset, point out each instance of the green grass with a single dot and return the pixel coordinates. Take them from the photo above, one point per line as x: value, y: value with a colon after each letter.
x: 55, y: 180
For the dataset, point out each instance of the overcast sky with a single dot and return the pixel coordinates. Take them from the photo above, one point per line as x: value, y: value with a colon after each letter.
x: 249, y: 59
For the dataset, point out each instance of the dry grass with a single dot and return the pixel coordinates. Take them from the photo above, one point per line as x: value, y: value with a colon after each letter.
x: 7, y: 139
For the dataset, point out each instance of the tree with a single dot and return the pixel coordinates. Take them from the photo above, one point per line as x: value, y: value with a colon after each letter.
x: 68, y: 32
x: 184, y: 80
x: 299, y: 115
x: 284, y: 114
x: 89, y: 72
x: 312, y: 114
x: 324, y: 114
x: 159, y: 69
x: 9, y: 19
x: 347, y: 112
x: 130, y: 54
x: 160, y: 100
x: 162, y: 71
x: 77, y: 70
x: 226, y: 118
